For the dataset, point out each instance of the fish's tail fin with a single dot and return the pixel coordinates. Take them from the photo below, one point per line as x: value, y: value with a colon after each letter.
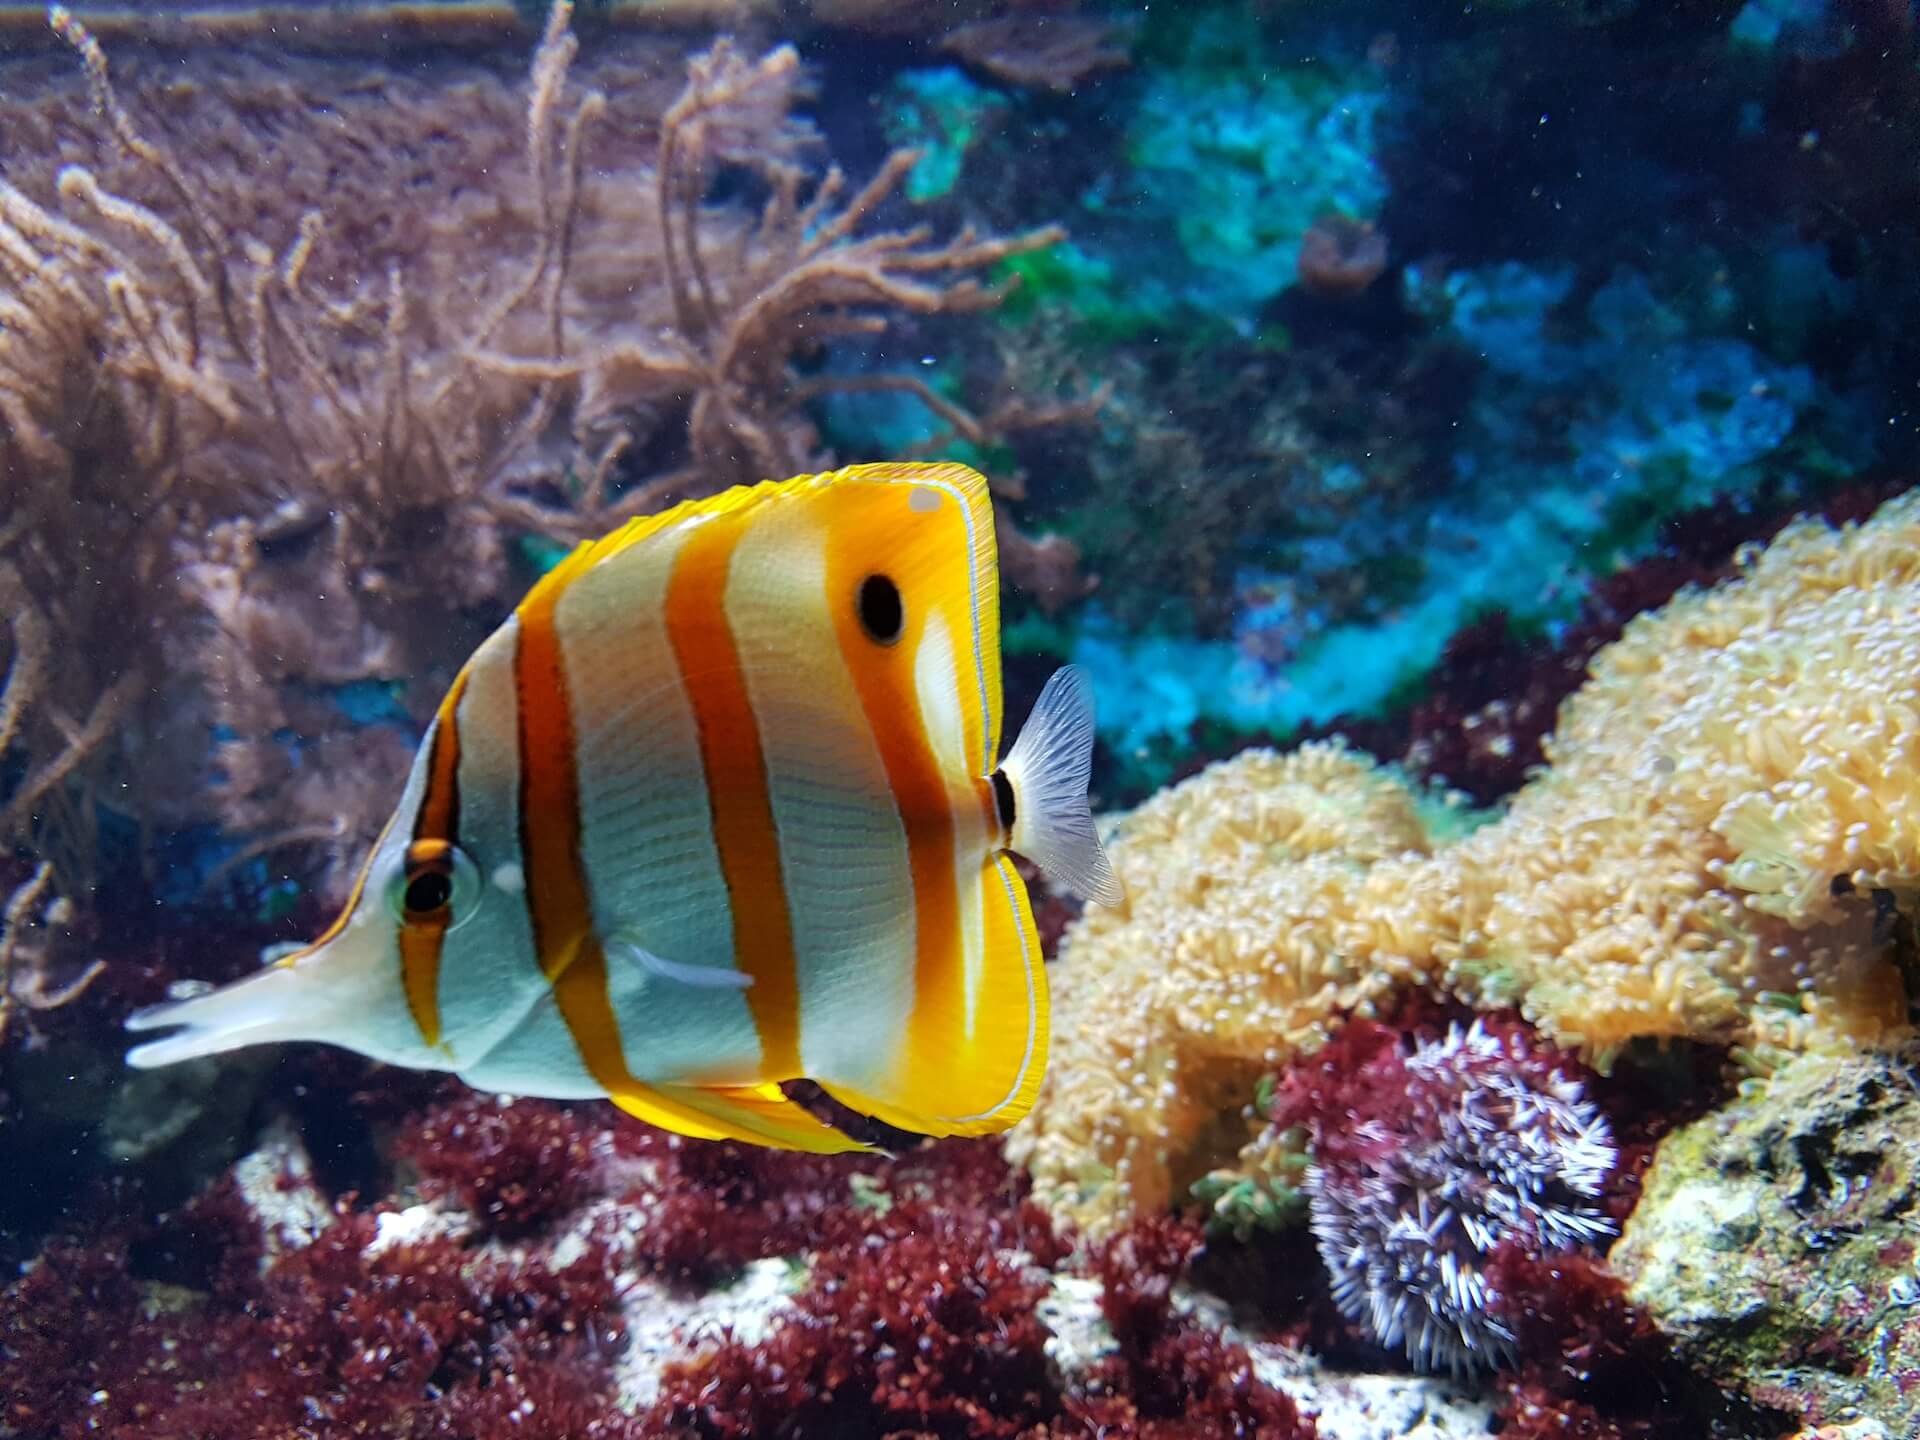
x: 1046, y: 776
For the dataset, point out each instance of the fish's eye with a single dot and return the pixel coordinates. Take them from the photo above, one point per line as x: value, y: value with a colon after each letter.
x: 428, y: 890
x: 437, y: 884
x: 881, y: 614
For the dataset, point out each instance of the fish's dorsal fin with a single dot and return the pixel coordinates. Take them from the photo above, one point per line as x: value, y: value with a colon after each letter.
x: 638, y: 531
x: 1046, y: 775
x: 943, y: 529
x: 918, y: 494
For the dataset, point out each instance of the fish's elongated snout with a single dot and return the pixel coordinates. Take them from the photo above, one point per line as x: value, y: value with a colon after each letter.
x: 255, y: 1011
x: 339, y: 993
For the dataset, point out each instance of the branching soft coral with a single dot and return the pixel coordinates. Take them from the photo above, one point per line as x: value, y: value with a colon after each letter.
x: 172, y: 391
x: 1730, y: 808
x: 27, y: 918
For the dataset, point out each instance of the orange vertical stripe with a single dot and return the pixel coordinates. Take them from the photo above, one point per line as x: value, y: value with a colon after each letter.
x: 580, y: 993
x: 558, y: 905
x: 736, y: 770
x: 884, y: 680
x: 549, y: 790
x: 422, y: 942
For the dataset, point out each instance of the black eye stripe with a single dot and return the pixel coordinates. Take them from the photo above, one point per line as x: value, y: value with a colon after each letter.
x: 882, y: 615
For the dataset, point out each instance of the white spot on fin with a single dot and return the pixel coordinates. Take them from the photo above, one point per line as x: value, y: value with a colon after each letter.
x: 709, y: 977
x: 924, y: 500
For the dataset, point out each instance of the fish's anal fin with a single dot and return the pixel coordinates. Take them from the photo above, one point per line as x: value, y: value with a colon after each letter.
x: 1046, y: 774
x: 755, y: 1114
x: 978, y: 1073
x: 875, y: 1108
x: 700, y: 976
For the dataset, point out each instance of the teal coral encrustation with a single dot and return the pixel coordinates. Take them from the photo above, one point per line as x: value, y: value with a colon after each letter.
x: 943, y: 114
x: 1626, y: 413
x: 1244, y: 156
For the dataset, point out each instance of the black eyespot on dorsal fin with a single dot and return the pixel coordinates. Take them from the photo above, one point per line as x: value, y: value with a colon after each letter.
x: 882, y: 615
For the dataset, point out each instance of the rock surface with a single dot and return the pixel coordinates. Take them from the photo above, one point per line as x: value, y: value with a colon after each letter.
x: 1776, y: 1242
x: 1345, y: 1406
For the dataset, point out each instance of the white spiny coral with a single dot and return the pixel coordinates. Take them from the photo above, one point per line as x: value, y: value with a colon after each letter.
x: 1493, y: 1142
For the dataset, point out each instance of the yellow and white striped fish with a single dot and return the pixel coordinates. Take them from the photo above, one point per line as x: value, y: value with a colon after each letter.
x: 715, y: 808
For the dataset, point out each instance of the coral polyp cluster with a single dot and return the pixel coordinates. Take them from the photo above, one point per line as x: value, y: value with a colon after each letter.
x: 1729, y: 814
x: 1426, y: 1160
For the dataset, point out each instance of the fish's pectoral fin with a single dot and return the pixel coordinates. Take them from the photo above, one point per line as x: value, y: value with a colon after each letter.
x: 1046, y: 777
x: 755, y: 1114
x: 624, y: 947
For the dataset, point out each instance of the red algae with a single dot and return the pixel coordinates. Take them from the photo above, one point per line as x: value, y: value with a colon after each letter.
x: 514, y: 1167
x: 923, y: 1326
x: 1170, y: 1378
x: 709, y: 1207
x: 330, y: 1340
x: 919, y: 1318
x: 1591, y: 1365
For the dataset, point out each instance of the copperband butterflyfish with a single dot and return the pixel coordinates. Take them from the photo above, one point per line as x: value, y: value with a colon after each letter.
x: 720, y: 805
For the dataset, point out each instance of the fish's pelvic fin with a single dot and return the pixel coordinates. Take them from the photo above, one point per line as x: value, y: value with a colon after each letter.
x: 756, y: 1114
x: 1046, y: 783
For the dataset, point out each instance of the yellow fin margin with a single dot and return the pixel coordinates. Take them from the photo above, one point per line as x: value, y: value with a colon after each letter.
x: 755, y: 1114
x: 987, y: 1082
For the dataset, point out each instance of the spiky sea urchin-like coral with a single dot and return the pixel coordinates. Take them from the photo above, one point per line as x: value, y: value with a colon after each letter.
x: 1426, y: 1160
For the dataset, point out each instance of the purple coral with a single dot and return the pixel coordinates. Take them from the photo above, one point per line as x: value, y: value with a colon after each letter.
x: 1426, y: 1161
